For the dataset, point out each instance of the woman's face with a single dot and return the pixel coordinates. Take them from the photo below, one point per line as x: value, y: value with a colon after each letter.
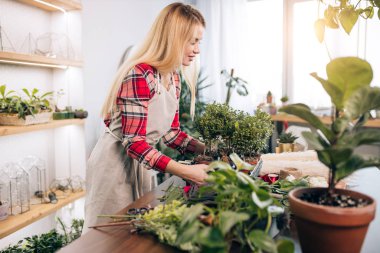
x: 192, y: 46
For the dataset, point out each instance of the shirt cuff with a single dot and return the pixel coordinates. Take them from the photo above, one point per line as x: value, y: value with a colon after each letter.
x: 191, y: 146
x: 162, y: 163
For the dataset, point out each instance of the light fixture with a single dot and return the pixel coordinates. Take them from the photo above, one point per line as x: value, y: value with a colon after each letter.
x: 50, y: 5
x: 35, y: 64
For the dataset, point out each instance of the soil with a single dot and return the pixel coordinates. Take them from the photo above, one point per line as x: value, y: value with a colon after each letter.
x: 337, y: 200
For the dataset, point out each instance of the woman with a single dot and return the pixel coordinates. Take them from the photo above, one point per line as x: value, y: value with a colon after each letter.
x: 141, y: 108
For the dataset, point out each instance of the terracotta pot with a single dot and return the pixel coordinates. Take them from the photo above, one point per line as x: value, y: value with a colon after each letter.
x: 331, y: 229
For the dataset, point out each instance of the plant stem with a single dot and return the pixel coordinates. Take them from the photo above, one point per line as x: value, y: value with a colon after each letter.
x: 269, y: 223
x: 229, y: 84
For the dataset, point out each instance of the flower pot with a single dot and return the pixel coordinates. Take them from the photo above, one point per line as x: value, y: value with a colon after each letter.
x: 286, y: 147
x: 4, y: 210
x: 13, y: 119
x: 330, y: 229
x: 81, y: 114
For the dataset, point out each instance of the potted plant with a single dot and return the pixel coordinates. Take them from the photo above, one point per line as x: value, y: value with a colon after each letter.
x: 269, y: 97
x: 286, y: 142
x: 284, y: 100
x: 251, y: 135
x: 328, y: 218
x: 15, y: 110
x: 226, y: 130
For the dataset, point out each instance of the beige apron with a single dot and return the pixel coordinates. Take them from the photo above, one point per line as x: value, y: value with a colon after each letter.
x: 113, y: 179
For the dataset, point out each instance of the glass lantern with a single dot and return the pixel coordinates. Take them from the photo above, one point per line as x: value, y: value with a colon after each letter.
x: 37, y: 178
x: 18, y: 188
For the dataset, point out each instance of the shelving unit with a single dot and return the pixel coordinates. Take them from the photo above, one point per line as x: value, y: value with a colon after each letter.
x: 10, y: 130
x: 375, y: 123
x: 61, y: 155
x: 16, y: 58
x: 14, y: 223
x: 67, y: 5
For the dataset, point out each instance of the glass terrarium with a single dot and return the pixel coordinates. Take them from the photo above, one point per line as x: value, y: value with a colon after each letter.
x: 4, y: 195
x: 19, y: 198
x: 37, y: 178
x: 77, y: 184
x: 61, y: 187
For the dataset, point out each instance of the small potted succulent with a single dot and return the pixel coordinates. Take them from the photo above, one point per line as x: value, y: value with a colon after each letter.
x: 330, y: 219
x: 284, y: 100
x: 286, y: 142
x: 80, y: 114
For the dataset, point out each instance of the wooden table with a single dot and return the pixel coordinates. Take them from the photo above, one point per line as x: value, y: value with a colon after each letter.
x: 119, y: 238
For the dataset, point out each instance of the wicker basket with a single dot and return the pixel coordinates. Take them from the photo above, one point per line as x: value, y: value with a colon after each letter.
x: 13, y: 119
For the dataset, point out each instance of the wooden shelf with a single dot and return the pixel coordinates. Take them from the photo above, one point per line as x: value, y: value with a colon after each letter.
x: 293, y: 119
x: 67, y: 5
x: 21, y: 59
x: 16, y: 222
x: 9, y: 130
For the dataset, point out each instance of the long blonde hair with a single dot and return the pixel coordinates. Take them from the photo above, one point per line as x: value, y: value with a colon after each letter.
x: 163, y: 49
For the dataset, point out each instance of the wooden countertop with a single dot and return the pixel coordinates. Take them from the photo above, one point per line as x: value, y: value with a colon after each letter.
x: 327, y: 120
x: 119, y: 238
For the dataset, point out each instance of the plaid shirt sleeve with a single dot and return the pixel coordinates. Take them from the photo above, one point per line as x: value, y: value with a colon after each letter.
x: 137, y: 89
x: 175, y: 138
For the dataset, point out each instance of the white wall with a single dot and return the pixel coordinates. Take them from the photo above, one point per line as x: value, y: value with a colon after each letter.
x: 109, y: 27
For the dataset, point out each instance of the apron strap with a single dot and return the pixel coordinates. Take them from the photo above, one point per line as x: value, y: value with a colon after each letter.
x: 108, y: 130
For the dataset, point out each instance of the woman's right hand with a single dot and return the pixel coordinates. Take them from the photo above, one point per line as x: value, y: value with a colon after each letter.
x: 194, y: 173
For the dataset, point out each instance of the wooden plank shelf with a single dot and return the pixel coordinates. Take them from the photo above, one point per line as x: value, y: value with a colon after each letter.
x: 48, y: 5
x: 326, y: 120
x: 16, y: 222
x: 9, y: 130
x: 38, y: 60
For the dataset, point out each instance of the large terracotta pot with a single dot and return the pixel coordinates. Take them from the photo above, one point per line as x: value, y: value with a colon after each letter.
x: 324, y: 229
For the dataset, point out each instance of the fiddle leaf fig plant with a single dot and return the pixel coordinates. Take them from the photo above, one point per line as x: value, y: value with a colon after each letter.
x: 345, y: 14
x: 348, y: 85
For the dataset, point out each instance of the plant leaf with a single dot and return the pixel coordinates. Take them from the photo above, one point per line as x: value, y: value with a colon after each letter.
x: 240, y: 164
x: 348, y: 18
x: 331, y: 17
x: 262, y: 241
x: 261, y: 198
x: 312, y: 140
x: 218, y: 165
x: 303, y: 111
x: 366, y: 136
x: 285, y: 246
x: 362, y: 101
x: 228, y: 219
x: 355, y: 162
x: 192, y: 213
x: 26, y: 92
x: 319, y: 28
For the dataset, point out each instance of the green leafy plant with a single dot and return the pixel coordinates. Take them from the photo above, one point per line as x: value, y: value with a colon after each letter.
x: 234, y: 82
x: 251, y: 133
x: 32, y: 104
x: 284, y: 99
x: 287, y: 138
x: 348, y: 85
x: 48, y: 242
x: 233, y: 130
x: 344, y: 13
x: 241, y: 213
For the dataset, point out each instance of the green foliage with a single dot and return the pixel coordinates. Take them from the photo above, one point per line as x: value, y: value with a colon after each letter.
x: 235, y: 130
x: 234, y: 82
x: 32, y: 104
x: 345, y: 14
x: 241, y: 211
x: 251, y: 133
x: 348, y: 86
x: 48, y: 242
x: 287, y: 138
x: 284, y: 99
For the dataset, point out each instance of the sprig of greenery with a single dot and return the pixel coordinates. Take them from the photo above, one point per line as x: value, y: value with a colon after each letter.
x: 287, y: 138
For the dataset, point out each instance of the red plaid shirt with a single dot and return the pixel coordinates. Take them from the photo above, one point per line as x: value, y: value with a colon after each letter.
x: 133, y: 97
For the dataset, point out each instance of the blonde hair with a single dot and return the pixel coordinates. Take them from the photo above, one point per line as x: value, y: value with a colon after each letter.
x: 163, y: 49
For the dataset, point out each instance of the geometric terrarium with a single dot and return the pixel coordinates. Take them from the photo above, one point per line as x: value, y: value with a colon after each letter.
x: 19, y: 197
x: 4, y: 195
x: 37, y: 178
